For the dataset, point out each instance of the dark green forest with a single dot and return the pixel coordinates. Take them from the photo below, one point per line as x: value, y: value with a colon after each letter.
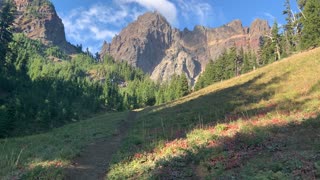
x: 41, y: 87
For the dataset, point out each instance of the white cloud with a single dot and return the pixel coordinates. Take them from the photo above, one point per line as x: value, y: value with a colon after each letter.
x: 101, y: 34
x: 96, y: 23
x: 100, y: 22
x: 191, y: 9
x: 165, y: 7
x: 270, y: 16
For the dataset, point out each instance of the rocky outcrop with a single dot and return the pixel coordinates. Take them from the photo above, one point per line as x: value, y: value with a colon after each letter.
x: 37, y: 19
x: 143, y: 42
x: 152, y: 44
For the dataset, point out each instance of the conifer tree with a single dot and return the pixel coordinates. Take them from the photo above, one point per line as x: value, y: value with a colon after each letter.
x: 300, y: 16
x: 246, y: 66
x: 289, y: 27
x: 183, y: 85
x: 6, y: 21
x: 275, y: 37
x: 301, y: 4
x: 311, y: 24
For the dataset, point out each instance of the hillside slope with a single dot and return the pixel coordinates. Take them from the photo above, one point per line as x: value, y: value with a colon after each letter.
x: 264, y: 124
x: 261, y: 125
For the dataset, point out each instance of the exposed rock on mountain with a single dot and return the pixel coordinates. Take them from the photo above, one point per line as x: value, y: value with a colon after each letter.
x: 153, y: 45
x: 143, y: 42
x: 37, y: 19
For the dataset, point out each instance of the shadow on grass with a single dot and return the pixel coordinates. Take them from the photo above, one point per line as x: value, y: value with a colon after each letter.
x: 225, y: 105
x: 290, y: 151
x: 156, y: 126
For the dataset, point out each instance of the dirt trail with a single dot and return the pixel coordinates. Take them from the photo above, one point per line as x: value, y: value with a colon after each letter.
x: 93, y: 161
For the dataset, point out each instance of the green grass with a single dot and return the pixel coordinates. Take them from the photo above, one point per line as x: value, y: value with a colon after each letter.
x: 261, y: 125
x: 44, y: 156
x: 229, y: 129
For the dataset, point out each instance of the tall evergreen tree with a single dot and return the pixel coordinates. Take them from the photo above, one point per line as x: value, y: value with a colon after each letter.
x: 248, y: 62
x: 276, y: 41
x: 231, y: 61
x: 182, y: 86
x: 6, y: 21
x: 311, y: 24
x: 266, y: 51
x: 300, y: 16
x: 301, y: 4
x: 289, y: 27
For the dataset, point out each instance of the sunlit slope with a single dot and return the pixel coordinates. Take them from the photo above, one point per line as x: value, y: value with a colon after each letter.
x: 261, y: 124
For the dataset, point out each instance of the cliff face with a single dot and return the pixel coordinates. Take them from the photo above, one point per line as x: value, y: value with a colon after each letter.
x: 153, y: 45
x: 142, y: 43
x: 37, y: 19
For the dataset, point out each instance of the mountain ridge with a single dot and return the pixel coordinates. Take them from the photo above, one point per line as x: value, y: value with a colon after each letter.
x: 38, y: 20
x: 156, y: 47
x: 150, y: 42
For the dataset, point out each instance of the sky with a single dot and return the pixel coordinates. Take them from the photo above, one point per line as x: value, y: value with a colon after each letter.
x: 91, y: 22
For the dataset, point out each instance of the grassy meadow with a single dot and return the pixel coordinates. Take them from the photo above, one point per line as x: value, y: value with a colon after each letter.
x: 261, y: 125
x: 45, y: 156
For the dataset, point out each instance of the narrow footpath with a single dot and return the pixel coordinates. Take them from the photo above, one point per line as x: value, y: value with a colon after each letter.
x: 94, y: 160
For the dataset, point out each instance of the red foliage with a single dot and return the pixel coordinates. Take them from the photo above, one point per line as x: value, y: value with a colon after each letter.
x: 138, y: 155
x: 311, y: 115
x: 255, y: 122
x: 177, y: 144
x: 276, y: 121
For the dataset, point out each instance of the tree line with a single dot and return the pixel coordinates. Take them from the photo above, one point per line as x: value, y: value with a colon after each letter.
x: 301, y: 32
x: 41, y: 87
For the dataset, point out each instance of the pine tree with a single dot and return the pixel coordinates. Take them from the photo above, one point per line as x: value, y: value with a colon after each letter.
x: 311, y: 24
x: 289, y: 27
x: 6, y: 21
x: 240, y: 61
x: 231, y: 63
x: 249, y: 62
x: 266, y: 51
x: 275, y: 37
x: 183, y: 85
x: 300, y: 16
x: 301, y: 4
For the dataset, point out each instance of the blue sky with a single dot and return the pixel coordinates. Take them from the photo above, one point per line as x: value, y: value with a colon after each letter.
x: 90, y: 22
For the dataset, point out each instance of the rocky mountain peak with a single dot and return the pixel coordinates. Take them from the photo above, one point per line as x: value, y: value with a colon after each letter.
x: 236, y: 25
x: 153, y: 18
x: 143, y: 42
x: 258, y: 27
x: 153, y: 45
x: 38, y: 19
